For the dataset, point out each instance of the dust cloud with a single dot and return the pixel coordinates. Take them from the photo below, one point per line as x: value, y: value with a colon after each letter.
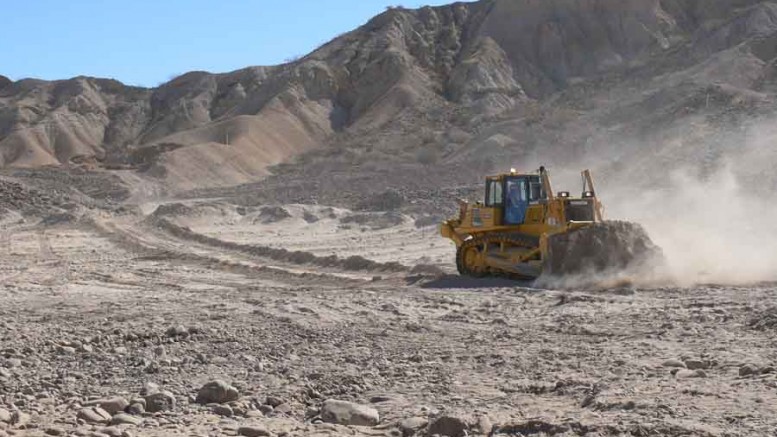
x: 715, y: 219
x: 713, y: 212
x: 711, y: 229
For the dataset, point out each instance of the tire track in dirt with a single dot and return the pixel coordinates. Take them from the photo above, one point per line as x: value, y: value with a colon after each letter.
x: 352, y: 263
x: 155, y: 248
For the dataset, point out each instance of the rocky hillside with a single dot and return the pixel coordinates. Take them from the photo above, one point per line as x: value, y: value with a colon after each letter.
x: 449, y: 86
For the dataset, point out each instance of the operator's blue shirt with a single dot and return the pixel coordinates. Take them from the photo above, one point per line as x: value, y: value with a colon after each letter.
x: 515, y: 209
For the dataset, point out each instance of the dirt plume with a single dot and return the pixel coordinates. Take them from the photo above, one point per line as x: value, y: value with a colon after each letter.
x: 715, y: 228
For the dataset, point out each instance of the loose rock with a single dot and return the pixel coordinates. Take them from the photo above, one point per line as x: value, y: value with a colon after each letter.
x: 696, y: 364
x: 273, y: 401
x: 349, y: 413
x: 412, y: 425
x: 141, y: 401
x: 177, y: 331
x: 284, y: 408
x: 222, y: 410
x: 687, y: 373
x: 111, y: 405
x: 137, y: 408
x: 112, y: 432
x: 485, y: 425
x: 161, y: 401
x: 252, y: 431
x: 748, y: 369
x: 94, y: 415
x: 674, y: 363
x: 125, y: 419
x: 217, y: 392
x: 149, y: 388
x: 66, y: 350
x: 448, y: 426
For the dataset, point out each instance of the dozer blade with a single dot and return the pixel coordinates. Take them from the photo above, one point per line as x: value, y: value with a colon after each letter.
x: 606, y: 246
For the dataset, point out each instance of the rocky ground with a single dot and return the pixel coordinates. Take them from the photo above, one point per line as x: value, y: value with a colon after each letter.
x: 254, y: 253
x: 115, y: 324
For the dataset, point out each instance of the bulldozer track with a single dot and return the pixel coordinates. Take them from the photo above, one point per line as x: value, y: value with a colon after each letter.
x: 512, y: 238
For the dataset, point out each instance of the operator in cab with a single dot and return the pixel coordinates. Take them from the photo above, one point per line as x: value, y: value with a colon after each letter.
x: 516, y: 202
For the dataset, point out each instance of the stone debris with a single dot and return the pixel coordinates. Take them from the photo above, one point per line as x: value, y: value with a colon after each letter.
x: 111, y: 405
x: 93, y: 415
x: 125, y: 419
x: 217, y: 392
x: 410, y: 426
x: 448, y: 426
x: 349, y: 413
x: 674, y: 363
x: 160, y: 401
x: 748, y: 370
x: 253, y: 431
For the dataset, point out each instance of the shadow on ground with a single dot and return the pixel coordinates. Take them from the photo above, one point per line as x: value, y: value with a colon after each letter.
x: 465, y: 282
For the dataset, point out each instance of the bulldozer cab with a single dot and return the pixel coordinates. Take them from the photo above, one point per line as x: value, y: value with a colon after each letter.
x: 513, y: 194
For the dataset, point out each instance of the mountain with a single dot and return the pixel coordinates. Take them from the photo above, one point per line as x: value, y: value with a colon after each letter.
x: 425, y: 92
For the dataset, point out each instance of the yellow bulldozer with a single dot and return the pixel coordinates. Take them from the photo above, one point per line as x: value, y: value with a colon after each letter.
x: 523, y: 229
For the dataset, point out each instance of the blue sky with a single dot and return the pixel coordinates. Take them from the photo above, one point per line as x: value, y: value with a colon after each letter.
x: 144, y: 42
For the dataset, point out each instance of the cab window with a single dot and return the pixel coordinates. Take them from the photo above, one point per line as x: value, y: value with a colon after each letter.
x: 494, y: 193
x: 536, y: 193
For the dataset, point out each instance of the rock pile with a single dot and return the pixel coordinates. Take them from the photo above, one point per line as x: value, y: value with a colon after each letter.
x: 613, y: 246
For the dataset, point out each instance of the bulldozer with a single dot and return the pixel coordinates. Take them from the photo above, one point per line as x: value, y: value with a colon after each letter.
x: 515, y: 231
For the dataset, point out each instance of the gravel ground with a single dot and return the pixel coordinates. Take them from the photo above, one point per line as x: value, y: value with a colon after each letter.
x: 110, y: 326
